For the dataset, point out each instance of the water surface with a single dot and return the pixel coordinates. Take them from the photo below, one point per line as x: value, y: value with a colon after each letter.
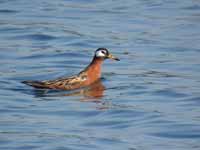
x: 148, y: 100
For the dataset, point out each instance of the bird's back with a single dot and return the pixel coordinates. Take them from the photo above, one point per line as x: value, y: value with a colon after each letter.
x: 67, y: 83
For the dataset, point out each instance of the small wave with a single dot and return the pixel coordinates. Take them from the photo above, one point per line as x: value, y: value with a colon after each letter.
x: 37, y: 37
x: 8, y: 11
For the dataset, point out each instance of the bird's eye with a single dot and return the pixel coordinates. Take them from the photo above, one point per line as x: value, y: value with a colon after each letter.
x: 103, y: 52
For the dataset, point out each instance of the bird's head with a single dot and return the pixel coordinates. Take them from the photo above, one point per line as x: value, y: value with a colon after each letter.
x: 105, y: 54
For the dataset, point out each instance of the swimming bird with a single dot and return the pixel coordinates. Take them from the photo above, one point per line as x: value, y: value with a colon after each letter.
x: 89, y: 75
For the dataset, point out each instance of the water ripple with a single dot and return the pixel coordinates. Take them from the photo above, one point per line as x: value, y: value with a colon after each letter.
x: 148, y: 100
x: 37, y: 37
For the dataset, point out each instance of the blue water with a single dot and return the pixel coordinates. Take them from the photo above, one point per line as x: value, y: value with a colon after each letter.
x: 150, y: 100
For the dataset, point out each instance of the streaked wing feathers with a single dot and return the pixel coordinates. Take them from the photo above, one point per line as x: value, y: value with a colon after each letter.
x: 61, y: 83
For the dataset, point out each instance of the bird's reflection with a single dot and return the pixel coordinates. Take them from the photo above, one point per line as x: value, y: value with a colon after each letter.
x: 90, y: 93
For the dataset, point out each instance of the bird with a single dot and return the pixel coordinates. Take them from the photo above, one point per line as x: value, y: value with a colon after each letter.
x: 88, y: 76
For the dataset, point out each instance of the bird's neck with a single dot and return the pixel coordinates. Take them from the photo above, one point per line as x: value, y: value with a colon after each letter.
x: 94, y: 69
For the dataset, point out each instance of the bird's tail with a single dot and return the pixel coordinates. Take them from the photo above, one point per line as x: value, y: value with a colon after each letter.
x: 36, y: 84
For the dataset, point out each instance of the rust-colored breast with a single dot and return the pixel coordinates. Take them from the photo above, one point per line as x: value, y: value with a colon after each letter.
x: 93, y: 71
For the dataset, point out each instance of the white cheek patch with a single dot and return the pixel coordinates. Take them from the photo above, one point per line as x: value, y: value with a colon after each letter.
x: 100, y: 54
